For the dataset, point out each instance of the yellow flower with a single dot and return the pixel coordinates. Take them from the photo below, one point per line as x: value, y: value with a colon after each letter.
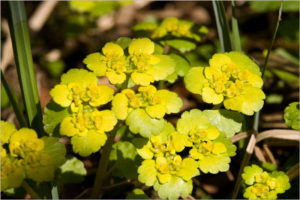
x: 87, y: 129
x: 144, y: 111
x: 264, y: 185
x: 209, y: 146
x: 79, y: 87
x: 231, y: 78
x: 7, y: 129
x: 28, y: 156
x: 12, y: 175
x: 175, y: 27
x: 140, y: 65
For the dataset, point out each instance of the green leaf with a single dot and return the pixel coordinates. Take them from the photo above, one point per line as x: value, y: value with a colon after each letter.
x: 269, y: 166
x: 56, y: 68
x: 127, y: 161
x: 250, y: 172
x: 140, y: 122
x: 124, y: 42
x: 222, y: 25
x: 181, y: 45
x: 4, y: 98
x: 145, y: 26
x: 137, y: 194
x: 291, y: 115
x: 285, y: 54
x: 274, y: 98
x: 266, y: 6
x: 291, y: 79
x: 22, y: 52
x: 174, y: 189
x: 89, y: 143
x: 182, y: 65
x: 228, y: 122
x: 53, y: 116
x: 72, y: 171
x: 158, y: 49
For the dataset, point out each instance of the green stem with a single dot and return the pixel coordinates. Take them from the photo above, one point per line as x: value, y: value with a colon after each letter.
x: 13, y: 102
x: 102, y: 168
x: 245, y: 161
x: 22, y: 52
x: 30, y: 190
x: 273, y: 39
x: 54, y: 192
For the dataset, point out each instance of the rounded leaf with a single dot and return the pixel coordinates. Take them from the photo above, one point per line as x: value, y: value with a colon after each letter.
x: 89, y: 143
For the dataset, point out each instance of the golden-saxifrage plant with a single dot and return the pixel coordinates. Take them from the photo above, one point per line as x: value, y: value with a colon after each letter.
x: 164, y: 155
x: 79, y: 110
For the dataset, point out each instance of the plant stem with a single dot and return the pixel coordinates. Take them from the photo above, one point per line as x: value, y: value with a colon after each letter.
x: 22, y: 52
x: 13, y: 102
x: 54, y: 192
x: 30, y: 190
x: 246, y: 158
x: 102, y: 168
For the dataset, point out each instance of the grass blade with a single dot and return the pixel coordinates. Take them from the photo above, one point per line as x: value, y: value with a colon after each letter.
x: 236, y: 42
x: 13, y: 101
x: 222, y: 25
x: 22, y: 52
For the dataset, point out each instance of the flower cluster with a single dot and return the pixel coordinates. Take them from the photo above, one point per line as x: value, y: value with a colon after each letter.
x: 163, y: 166
x: 209, y: 146
x: 144, y: 111
x: 264, y: 185
x: 141, y: 65
x: 209, y: 151
x: 231, y: 78
x: 175, y: 27
x: 80, y: 92
x: 24, y: 155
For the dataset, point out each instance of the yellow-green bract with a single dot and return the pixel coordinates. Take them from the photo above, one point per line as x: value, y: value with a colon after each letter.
x: 231, y: 78
x: 87, y: 126
x: 141, y: 65
x: 144, y: 111
x: 28, y: 156
x: 163, y: 168
x: 170, y: 173
x: 264, y: 185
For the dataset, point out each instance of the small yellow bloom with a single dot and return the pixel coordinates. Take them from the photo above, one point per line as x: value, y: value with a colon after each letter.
x: 231, y: 78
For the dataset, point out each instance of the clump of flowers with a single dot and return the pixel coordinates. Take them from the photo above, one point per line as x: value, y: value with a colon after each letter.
x: 209, y: 146
x: 24, y: 155
x: 141, y: 66
x: 231, y: 78
x: 172, y: 26
x: 175, y: 27
x: 264, y: 185
x: 163, y: 168
x: 292, y: 115
x: 80, y: 93
x: 144, y: 111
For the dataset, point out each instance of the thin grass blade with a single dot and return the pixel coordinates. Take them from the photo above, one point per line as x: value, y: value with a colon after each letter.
x: 13, y: 101
x: 236, y: 42
x: 22, y: 52
x: 222, y: 25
